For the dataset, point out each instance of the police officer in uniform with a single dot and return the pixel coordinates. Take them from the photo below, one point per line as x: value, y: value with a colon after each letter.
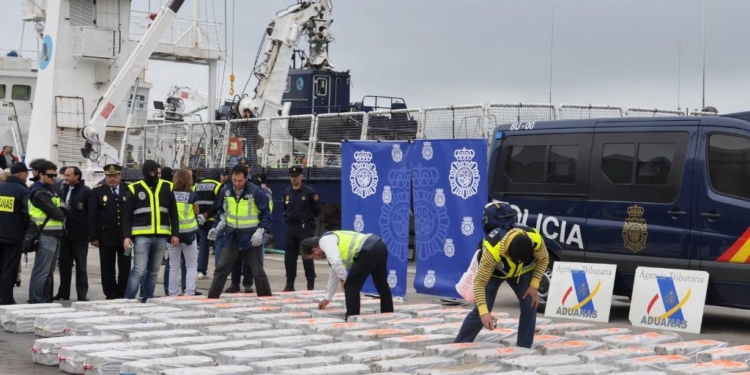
x: 105, y: 209
x: 207, y: 191
x: 14, y: 220
x: 301, y: 209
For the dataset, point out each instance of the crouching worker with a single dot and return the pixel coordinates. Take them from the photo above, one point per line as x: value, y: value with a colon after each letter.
x: 511, y: 253
x: 361, y: 255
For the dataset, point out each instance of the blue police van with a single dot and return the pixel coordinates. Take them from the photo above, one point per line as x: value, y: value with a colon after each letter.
x: 658, y: 192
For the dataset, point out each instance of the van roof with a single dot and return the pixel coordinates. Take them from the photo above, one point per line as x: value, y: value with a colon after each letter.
x: 739, y: 120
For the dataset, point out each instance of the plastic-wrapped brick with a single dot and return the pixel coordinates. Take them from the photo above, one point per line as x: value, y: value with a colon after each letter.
x: 596, y: 334
x: 177, y: 342
x: 495, y: 355
x: 375, y: 334
x: 283, y: 302
x: 5, y: 308
x: 439, y: 313
x: 644, y: 340
x: 156, y: 335
x: 71, y: 357
x: 88, y: 305
x: 459, y: 318
x: 109, y: 362
x: 339, y: 313
x: 306, y: 325
x: 512, y: 373
x: 138, y: 311
x: 52, y: 325
x: 688, y: 348
x: 213, y: 349
x: 570, y: 347
x: 416, y: 341
x: 607, y: 356
x: 340, y: 348
x: 411, y: 364
x: 301, y: 341
x: 167, y: 300
x: 122, y: 329
x: 22, y: 321
x: 162, y: 317
x: 198, y: 323
x: 472, y: 369
x: 245, y: 357
x: 580, y: 369
x: 45, y: 351
x: 560, y: 328
x: 376, y: 318
x: 273, y: 318
x: 110, y: 308
x: 277, y: 365
x: 539, y: 340
x: 379, y: 355
x: 216, y: 307
x: 410, y: 308
x: 307, y: 307
x: 194, y: 303
x: 443, y: 328
x: 734, y: 353
x: 643, y: 373
x: 498, y: 335
x: 216, y: 370
x: 456, y: 350
x: 258, y: 335
x: 154, y: 365
x: 513, y: 322
x: 533, y: 362
x: 410, y: 323
x: 231, y: 328
x: 242, y: 312
x: 654, y: 362
x: 331, y: 370
x: 713, y: 367
x: 82, y: 326
x: 339, y: 329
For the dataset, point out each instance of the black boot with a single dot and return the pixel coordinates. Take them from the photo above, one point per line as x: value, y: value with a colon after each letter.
x: 289, y: 285
x: 310, y: 284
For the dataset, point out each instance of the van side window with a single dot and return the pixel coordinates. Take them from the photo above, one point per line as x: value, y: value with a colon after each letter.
x: 654, y: 163
x: 729, y: 164
x: 526, y: 164
x: 562, y: 164
x: 617, y: 162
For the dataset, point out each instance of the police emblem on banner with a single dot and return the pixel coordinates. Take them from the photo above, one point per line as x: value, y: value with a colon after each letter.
x: 439, y: 197
x: 359, y: 223
x: 467, y: 226
x: 392, y: 279
x: 429, y: 279
x: 387, y: 196
x: 449, y: 249
x: 427, y: 152
x: 363, y: 175
x: 634, y: 230
x: 464, y: 174
x: 397, y: 154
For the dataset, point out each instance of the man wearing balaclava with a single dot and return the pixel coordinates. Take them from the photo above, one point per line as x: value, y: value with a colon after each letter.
x: 149, y: 219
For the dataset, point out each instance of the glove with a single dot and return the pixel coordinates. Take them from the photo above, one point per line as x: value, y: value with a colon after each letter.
x: 212, y: 234
x: 221, y: 226
x: 257, y: 239
x: 201, y: 219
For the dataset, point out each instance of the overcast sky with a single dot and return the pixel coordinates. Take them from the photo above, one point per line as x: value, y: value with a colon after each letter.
x: 633, y: 53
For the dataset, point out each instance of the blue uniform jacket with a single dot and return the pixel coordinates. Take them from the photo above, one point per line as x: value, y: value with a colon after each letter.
x: 243, y: 236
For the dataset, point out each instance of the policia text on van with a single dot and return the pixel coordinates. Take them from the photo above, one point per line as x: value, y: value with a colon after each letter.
x: 657, y: 192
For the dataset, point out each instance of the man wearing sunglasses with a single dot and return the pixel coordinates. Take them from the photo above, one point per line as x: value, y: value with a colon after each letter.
x: 45, y: 204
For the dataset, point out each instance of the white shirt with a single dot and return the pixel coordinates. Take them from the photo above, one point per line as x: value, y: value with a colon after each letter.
x: 337, y: 273
x: 70, y: 191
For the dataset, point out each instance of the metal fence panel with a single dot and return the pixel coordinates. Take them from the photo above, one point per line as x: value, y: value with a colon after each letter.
x: 287, y: 141
x: 140, y: 145
x: 506, y: 113
x: 246, y: 138
x: 207, y: 144
x: 172, y: 144
x: 653, y: 112
x: 400, y: 124
x: 454, y: 122
x: 577, y: 111
x: 330, y: 130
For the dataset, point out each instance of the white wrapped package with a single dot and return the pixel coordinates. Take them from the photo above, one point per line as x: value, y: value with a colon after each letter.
x: 167, y: 300
x: 644, y: 340
x: 156, y: 335
x: 283, y: 301
x: 416, y: 341
x: 473, y: 369
x: 339, y: 313
x: 459, y: 318
x: 570, y: 347
x: 292, y: 342
x: 5, y: 308
x: 513, y: 322
x: 144, y: 310
x: 456, y: 350
x: 580, y: 369
x: 538, y: 340
x: 22, y: 321
x: 607, y: 356
x: 273, y: 318
x: 88, y: 305
x: 411, y: 364
x: 153, y: 366
x: 444, y: 328
x: 177, y: 342
x: 111, y: 308
x: 307, y: 307
x: 340, y: 348
x: 440, y: 313
x: 192, y: 304
x: 339, y: 329
x: 109, y: 362
x: 213, y: 349
x: 410, y: 323
x: 331, y: 370
x: 178, y: 315
x: 596, y: 334
x: 559, y: 329
x: 122, y: 329
x: 643, y: 373
x: 245, y: 357
x: 216, y: 307
x: 230, y: 328
x: 242, y: 312
x: 198, y: 323
x: 277, y: 365
x: 52, y: 325
x: 734, y: 353
x: 689, y: 348
x: 82, y: 326
x: 533, y: 362
x: 375, y: 334
x: 44, y: 351
x: 506, y: 336
x: 306, y: 325
x: 713, y: 367
x: 495, y: 355
x: 654, y: 362
x: 379, y: 355
x: 263, y: 334
x: 511, y: 373
x: 409, y: 309
x: 376, y: 318
x: 216, y: 370
x: 72, y: 357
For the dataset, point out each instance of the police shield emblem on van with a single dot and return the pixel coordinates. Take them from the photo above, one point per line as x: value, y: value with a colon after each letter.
x: 634, y: 230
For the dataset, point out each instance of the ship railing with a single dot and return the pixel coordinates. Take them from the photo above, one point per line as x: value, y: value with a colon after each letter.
x: 504, y: 113
x: 183, y: 32
x: 95, y: 42
x: 396, y: 124
x: 454, y: 122
x: 653, y: 112
x: 702, y: 113
x: 26, y: 60
x: 330, y: 130
x: 586, y: 111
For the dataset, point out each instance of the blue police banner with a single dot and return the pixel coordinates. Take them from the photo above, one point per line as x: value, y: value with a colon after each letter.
x: 449, y: 190
x: 375, y: 198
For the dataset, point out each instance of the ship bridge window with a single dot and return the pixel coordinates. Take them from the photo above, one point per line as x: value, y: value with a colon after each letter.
x: 321, y: 86
x: 20, y: 92
x: 2, y: 91
x: 288, y: 84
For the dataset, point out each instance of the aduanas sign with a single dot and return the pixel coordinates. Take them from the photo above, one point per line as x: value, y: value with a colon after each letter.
x: 668, y: 299
x: 581, y: 291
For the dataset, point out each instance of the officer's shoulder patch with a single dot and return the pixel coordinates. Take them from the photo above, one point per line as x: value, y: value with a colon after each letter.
x: 97, y: 186
x: 315, y: 197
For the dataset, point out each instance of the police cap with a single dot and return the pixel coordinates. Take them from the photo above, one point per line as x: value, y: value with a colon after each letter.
x: 244, y: 162
x: 295, y: 171
x: 112, y: 169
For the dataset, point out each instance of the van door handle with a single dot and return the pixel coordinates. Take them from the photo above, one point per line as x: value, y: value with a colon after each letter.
x: 676, y: 212
x: 710, y: 215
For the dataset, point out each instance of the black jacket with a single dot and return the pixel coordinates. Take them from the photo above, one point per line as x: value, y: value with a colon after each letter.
x: 105, y: 215
x: 75, y: 225
x: 140, y: 199
x: 14, y: 216
x: 41, y: 197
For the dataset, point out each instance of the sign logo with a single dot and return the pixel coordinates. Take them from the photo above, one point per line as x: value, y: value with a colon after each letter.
x: 359, y: 223
x: 392, y: 279
x: 581, y: 291
x: 397, y: 154
x: 364, y: 175
x: 429, y: 279
x: 464, y: 174
x: 449, y: 249
x: 634, y: 230
x: 387, y: 195
x: 735, y: 254
x: 427, y: 152
x: 107, y: 111
x: 439, y: 198
x: 45, y: 55
x: 467, y: 226
x: 300, y: 83
x: 584, y: 308
x: 672, y: 316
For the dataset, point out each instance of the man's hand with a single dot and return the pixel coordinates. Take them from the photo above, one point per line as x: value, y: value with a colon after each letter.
x: 127, y: 243
x: 488, y: 321
x: 323, y: 303
x: 95, y: 243
x: 175, y: 241
x: 531, y: 292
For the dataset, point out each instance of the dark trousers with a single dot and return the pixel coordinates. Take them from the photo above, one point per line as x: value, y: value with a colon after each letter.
x: 73, y: 251
x: 295, y: 233
x: 242, y: 270
x: 229, y: 254
x: 369, y: 262
x: 10, y: 261
x: 114, y: 281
